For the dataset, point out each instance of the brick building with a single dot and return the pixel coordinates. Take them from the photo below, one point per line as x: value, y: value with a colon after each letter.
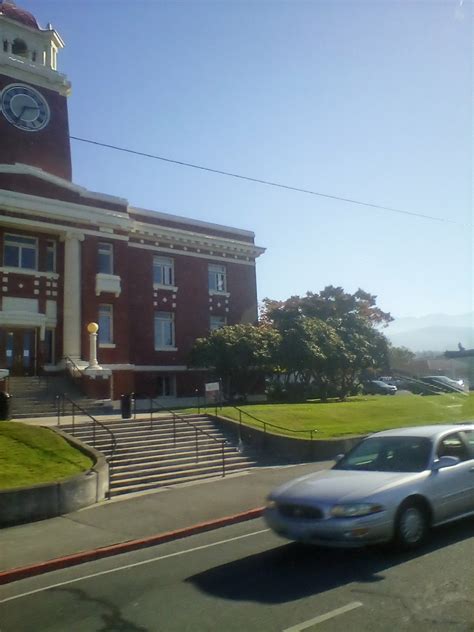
x: 153, y: 282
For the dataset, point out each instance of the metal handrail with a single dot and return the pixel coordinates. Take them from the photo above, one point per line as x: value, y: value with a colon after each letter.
x: 69, y: 360
x: 95, y: 422
x: 175, y: 416
x: 267, y: 423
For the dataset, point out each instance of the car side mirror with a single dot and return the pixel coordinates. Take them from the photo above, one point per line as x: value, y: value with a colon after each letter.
x: 445, y: 461
x: 339, y: 457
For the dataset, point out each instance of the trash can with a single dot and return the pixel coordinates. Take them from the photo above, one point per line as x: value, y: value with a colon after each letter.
x: 126, y: 405
x: 5, y: 406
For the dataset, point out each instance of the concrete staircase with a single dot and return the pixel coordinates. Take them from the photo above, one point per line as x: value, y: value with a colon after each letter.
x: 146, y: 458
x: 36, y: 396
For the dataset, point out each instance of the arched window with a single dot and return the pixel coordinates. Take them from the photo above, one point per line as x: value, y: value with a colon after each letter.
x: 19, y: 48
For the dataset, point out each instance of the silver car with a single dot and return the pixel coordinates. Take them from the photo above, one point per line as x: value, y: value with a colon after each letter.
x: 392, y: 486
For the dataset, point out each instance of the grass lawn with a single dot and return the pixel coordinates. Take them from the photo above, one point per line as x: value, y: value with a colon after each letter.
x: 359, y: 415
x: 30, y: 455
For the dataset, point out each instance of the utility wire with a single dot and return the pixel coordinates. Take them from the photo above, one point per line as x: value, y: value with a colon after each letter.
x: 265, y: 182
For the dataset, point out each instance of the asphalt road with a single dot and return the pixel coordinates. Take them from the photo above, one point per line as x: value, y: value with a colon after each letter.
x: 244, y: 578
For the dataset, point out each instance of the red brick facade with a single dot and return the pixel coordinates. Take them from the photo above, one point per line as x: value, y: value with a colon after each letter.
x: 51, y: 283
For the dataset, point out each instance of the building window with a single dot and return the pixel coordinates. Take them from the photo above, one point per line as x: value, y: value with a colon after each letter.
x: 49, y: 346
x: 163, y: 271
x: 217, y: 278
x: 106, y: 318
x: 20, y: 252
x: 164, y: 330
x: 165, y: 385
x: 5, y: 46
x: 51, y: 256
x: 216, y: 322
x: 19, y: 48
x: 106, y: 258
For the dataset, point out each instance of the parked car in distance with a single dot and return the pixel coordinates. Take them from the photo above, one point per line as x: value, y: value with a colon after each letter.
x: 399, y: 382
x: 444, y: 384
x: 391, y: 487
x: 377, y: 387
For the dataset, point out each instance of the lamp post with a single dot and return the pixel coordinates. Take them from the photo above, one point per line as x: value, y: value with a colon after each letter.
x: 93, y: 328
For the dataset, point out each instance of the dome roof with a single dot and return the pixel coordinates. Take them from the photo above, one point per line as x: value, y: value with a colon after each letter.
x: 9, y: 10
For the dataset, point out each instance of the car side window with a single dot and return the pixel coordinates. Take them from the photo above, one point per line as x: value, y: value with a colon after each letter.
x: 469, y: 436
x: 453, y: 445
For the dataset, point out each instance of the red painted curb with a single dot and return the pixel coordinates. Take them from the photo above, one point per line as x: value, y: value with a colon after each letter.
x: 14, y: 574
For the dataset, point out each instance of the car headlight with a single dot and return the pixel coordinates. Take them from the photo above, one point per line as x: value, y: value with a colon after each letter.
x: 355, y: 510
x: 271, y: 504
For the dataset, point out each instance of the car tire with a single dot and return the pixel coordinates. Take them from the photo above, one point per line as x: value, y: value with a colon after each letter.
x: 411, y: 525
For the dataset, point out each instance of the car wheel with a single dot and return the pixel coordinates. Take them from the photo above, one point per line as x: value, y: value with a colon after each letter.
x: 411, y: 526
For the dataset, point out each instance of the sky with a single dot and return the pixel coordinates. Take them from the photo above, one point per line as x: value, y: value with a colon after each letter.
x: 369, y: 100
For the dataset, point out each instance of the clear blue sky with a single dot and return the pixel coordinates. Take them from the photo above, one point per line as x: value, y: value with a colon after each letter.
x: 363, y: 99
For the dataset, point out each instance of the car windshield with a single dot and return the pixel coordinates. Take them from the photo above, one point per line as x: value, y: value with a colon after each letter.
x: 388, y: 454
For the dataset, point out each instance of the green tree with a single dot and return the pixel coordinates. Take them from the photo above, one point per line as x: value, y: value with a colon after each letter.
x: 240, y: 355
x: 402, y: 360
x: 329, y: 339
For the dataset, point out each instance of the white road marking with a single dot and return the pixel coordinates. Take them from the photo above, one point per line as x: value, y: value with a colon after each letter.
x: 324, y: 617
x: 127, y: 566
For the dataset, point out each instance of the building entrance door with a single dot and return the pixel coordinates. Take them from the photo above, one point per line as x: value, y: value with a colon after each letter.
x: 18, y: 350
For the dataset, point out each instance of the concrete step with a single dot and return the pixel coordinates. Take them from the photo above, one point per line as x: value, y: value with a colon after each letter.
x: 173, y: 461
x: 138, y: 428
x: 161, y: 448
x: 162, y: 435
x: 170, y: 474
x: 155, y: 456
x: 147, y: 439
x: 175, y: 466
x: 136, y: 488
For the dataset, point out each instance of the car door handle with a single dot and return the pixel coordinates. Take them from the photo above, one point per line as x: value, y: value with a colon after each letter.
x: 471, y: 469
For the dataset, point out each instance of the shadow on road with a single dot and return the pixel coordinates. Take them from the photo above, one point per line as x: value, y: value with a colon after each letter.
x: 294, y: 571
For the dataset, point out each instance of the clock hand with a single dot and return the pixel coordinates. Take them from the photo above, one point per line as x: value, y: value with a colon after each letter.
x: 21, y: 113
x: 23, y: 110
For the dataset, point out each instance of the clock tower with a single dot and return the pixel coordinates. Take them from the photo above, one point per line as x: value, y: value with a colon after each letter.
x: 34, y: 128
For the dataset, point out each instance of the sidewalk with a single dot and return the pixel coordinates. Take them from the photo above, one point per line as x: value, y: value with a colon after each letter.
x: 141, y: 516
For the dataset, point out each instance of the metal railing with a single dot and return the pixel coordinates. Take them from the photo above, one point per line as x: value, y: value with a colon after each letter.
x: 62, y: 404
x: 177, y: 417
x: 266, y: 424
x: 72, y: 368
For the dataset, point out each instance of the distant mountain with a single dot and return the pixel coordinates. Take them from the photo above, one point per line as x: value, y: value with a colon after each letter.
x: 434, y: 332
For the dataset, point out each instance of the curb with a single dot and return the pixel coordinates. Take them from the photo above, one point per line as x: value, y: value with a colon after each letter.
x: 22, y: 572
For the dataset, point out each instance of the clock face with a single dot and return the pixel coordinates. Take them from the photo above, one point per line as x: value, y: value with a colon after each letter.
x: 25, y: 108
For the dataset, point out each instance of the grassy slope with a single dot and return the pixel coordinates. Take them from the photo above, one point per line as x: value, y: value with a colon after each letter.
x: 30, y: 455
x: 360, y: 415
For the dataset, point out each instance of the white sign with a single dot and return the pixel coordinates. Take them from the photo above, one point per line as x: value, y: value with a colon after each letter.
x: 212, y: 386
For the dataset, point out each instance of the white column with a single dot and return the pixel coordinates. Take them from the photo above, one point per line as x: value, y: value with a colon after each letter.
x: 93, y: 364
x: 72, y: 296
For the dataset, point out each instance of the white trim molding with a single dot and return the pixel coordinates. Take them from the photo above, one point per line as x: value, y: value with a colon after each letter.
x: 187, y: 253
x: 59, y: 209
x: 107, y: 284
x: 190, y: 238
x: 168, y: 368
x: 27, y: 272
x: 219, y: 293
x: 36, y: 172
x: 179, y: 219
x: 162, y: 286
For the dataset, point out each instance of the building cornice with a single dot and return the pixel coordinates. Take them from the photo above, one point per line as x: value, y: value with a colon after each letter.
x: 28, y: 71
x: 61, y: 210
x: 179, y: 219
x: 249, y: 261
x: 36, y: 172
x: 191, y: 239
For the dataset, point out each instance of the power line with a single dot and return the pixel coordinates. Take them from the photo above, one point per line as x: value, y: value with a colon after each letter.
x: 265, y: 182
